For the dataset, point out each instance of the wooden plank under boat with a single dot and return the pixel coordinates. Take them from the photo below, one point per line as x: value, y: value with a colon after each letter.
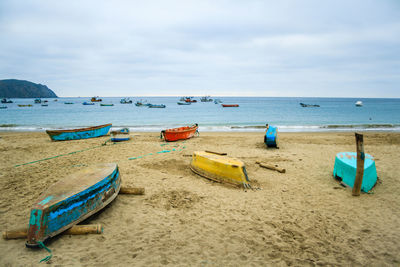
x: 180, y: 133
x: 81, y: 133
x: 346, y: 166
x: 271, y: 137
x: 220, y: 168
x: 72, y: 200
x: 230, y: 105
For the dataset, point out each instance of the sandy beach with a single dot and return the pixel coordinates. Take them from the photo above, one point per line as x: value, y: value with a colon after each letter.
x: 303, y: 217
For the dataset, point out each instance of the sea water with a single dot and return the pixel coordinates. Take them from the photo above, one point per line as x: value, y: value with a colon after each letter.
x: 334, y: 114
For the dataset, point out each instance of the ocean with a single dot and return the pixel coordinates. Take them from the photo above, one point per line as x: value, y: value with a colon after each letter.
x: 334, y: 114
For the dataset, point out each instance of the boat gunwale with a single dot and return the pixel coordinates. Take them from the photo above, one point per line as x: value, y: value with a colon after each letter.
x: 78, y: 129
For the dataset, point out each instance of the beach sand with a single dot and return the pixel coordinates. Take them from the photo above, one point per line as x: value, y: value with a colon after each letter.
x: 302, y: 217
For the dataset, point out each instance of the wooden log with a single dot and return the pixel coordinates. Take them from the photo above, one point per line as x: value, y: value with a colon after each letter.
x: 132, y: 190
x: 271, y: 167
x: 217, y: 153
x: 360, y: 164
x: 74, y: 230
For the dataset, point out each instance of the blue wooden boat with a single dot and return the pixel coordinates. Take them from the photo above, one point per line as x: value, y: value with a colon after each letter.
x: 72, y: 200
x: 82, y: 133
x: 120, y: 135
x: 88, y: 103
x: 346, y: 166
x: 157, y: 106
x: 271, y: 137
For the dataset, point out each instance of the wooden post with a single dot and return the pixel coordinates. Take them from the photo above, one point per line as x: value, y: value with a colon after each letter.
x: 360, y: 164
x: 132, y: 190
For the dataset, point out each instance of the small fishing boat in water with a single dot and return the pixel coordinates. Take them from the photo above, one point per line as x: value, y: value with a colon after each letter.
x: 38, y: 101
x: 184, y: 103
x: 309, y: 105
x: 96, y: 99
x: 180, y: 133
x: 219, y: 168
x: 88, y: 103
x: 6, y: 101
x: 72, y: 200
x: 81, y: 133
x: 3, y: 107
x: 359, y: 104
x: 206, y: 99
x: 157, y: 106
x: 125, y: 101
x: 25, y: 105
x: 106, y: 105
x: 142, y: 103
x: 230, y: 105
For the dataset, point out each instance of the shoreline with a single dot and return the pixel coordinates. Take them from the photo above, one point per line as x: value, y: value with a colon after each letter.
x: 301, y: 217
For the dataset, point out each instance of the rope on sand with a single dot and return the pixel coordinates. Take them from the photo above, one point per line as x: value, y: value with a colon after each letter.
x: 70, y: 153
x: 161, y: 152
x: 45, y: 259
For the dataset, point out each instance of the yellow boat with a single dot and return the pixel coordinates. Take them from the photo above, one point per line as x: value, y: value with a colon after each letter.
x: 220, y: 168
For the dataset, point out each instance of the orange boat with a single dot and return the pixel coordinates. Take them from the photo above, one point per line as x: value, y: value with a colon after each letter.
x: 180, y: 133
x: 96, y: 99
x: 230, y: 106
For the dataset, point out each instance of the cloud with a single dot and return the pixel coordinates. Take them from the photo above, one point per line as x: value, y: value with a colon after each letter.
x: 289, y: 48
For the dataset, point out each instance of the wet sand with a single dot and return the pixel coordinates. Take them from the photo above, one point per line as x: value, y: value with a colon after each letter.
x: 301, y: 217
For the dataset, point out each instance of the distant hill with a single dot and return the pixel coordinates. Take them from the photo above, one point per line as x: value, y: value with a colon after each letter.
x: 23, y: 89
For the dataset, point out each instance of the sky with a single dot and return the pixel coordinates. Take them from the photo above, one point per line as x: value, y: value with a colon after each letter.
x: 310, y: 48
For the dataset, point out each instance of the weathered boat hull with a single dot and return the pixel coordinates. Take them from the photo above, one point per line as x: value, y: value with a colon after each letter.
x: 230, y: 105
x: 82, y: 133
x: 72, y: 200
x: 220, y: 168
x: 346, y: 166
x: 271, y: 137
x: 180, y: 133
x: 120, y: 135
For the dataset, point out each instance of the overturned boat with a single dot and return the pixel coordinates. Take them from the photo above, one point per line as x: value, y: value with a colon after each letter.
x: 220, y: 168
x: 72, y: 200
x: 271, y: 137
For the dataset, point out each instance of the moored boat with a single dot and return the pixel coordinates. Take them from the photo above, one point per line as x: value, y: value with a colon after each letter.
x: 346, y: 166
x: 96, y: 99
x: 120, y: 135
x: 106, y: 105
x: 125, y: 101
x: 157, y: 106
x: 220, y: 168
x: 81, y: 133
x: 271, y: 137
x: 6, y: 101
x: 88, y: 103
x: 180, y: 133
x: 309, y: 105
x: 206, y: 99
x: 3, y: 107
x: 230, y: 105
x: 184, y: 103
x: 359, y: 104
x: 38, y: 101
x: 25, y: 105
x: 68, y: 103
x: 72, y: 200
x: 142, y: 103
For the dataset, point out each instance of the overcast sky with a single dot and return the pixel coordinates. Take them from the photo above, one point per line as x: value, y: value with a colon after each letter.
x: 227, y: 48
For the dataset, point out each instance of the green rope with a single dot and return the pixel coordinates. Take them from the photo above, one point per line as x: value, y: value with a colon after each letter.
x: 160, y: 152
x: 70, y: 153
x: 45, y: 259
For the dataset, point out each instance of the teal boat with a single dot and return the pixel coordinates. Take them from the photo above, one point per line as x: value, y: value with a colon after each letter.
x: 346, y: 166
x: 271, y: 137
x: 82, y: 133
x: 157, y: 106
x: 72, y: 200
